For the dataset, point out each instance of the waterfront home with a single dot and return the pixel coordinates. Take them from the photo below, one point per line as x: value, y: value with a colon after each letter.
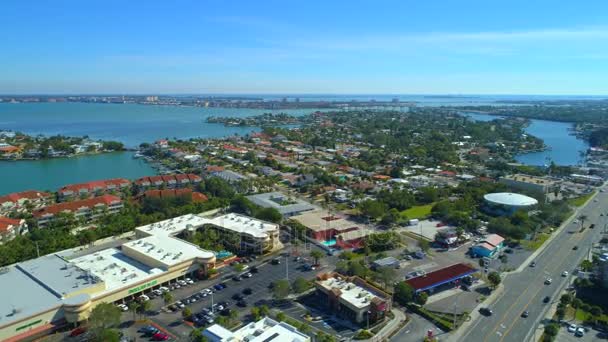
x: 173, y: 193
x: 87, y: 209
x: 10, y: 228
x: 229, y: 176
x: 18, y: 200
x: 9, y: 151
x: 93, y: 188
x: 168, y: 181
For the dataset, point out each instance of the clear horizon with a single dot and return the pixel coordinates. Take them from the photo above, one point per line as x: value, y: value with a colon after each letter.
x: 370, y: 48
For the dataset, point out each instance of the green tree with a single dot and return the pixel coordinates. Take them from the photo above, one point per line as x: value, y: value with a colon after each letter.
x: 566, y: 299
x: 317, y: 255
x: 576, y: 304
x: 494, y: 279
x: 197, y: 336
x: 421, y: 298
x: 144, y: 307
x: 134, y: 308
x: 108, y: 335
x: 300, y: 285
x: 280, y: 316
x: 186, y: 313
x: 560, y: 313
x: 255, y: 313
x: 596, y: 311
x: 264, y: 310
x: 104, y: 316
x: 373, y: 209
x: 167, y: 298
x: 280, y: 290
x: 551, y: 329
x: 424, y: 245
x: 404, y: 293
x: 386, y: 275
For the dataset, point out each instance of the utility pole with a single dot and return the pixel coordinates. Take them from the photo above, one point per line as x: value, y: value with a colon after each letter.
x: 37, y: 249
x: 287, y: 267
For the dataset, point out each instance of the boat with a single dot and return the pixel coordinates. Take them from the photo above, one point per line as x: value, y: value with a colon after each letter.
x: 137, y: 155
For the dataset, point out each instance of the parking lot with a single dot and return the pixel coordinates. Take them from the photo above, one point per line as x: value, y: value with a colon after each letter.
x: 190, y: 296
x: 590, y: 335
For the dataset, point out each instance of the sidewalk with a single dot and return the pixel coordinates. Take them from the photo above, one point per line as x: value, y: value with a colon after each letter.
x: 391, y: 327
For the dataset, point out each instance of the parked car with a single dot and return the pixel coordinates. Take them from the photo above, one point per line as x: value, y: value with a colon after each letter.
x: 254, y: 269
x: 572, y: 328
x: 525, y: 314
x: 236, y: 278
x: 565, y: 274
x: 159, y: 336
x: 180, y: 304
x: 547, y: 299
x: 143, y: 298
x: 122, y: 307
x: 189, y: 281
x: 242, y: 303
x: 78, y: 331
x: 580, y: 332
x: 247, y: 291
x: 533, y: 264
x: 237, y: 296
x: 276, y: 261
x: 548, y: 281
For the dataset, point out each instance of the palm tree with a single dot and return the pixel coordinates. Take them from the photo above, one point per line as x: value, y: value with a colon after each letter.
x: 582, y: 218
x: 134, y: 308
x: 316, y: 255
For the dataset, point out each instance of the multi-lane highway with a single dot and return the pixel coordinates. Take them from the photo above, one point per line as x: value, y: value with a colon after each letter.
x: 525, y: 290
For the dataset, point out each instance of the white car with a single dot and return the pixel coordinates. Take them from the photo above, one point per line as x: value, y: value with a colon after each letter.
x: 565, y: 274
x: 580, y: 332
x: 144, y: 298
x: 122, y: 307
x: 572, y: 328
x: 180, y: 305
x: 548, y: 281
x: 158, y: 292
x: 182, y: 282
x: 189, y: 281
x: 164, y: 289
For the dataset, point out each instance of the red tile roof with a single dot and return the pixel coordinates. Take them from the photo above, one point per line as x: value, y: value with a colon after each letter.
x: 29, y: 195
x: 174, y: 178
x: 440, y: 276
x: 494, y: 239
x: 75, y: 205
x: 94, y: 185
x: 6, y: 222
x: 9, y: 149
x: 215, y: 168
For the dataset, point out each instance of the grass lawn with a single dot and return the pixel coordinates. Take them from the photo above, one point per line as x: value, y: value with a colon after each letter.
x: 417, y: 212
x: 535, y: 244
x: 579, y: 201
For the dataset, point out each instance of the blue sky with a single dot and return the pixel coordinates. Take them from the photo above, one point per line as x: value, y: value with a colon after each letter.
x: 339, y: 47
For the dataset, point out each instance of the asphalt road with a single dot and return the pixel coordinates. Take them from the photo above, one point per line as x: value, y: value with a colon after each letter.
x: 525, y: 290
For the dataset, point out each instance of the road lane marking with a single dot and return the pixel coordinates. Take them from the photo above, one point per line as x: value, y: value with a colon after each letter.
x: 515, y: 321
x: 539, y: 275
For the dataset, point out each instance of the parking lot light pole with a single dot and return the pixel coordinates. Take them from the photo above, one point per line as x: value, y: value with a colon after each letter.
x: 287, y: 267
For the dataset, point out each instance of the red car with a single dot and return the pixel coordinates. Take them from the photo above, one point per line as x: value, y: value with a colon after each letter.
x: 440, y: 224
x: 78, y: 331
x: 159, y: 336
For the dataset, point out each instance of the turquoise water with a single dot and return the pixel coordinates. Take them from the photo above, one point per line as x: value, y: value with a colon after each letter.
x: 54, y: 173
x: 564, y: 149
x: 131, y: 124
x: 329, y: 243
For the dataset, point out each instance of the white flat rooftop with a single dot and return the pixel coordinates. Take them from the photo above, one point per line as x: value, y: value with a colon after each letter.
x: 350, y: 292
x: 173, y: 226
x: 115, y: 268
x: 167, y: 250
x: 244, y: 225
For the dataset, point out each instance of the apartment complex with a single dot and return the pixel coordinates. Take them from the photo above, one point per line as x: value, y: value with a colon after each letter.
x: 167, y: 181
x: 18, y: 200
x: 87, y: 209
x: 10, y: 228
x: 95, y: 188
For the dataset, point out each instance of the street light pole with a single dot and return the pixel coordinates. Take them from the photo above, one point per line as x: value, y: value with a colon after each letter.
x: 287, y: 267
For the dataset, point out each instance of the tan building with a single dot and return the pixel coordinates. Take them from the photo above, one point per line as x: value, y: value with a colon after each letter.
x: 531, y: 183
x: 64, y: 287
x: 353, y: 298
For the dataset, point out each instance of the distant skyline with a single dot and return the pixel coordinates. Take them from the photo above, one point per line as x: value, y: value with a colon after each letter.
x: 313, y: 47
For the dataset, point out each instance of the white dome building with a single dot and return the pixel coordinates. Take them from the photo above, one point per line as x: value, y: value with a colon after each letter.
x: 506, y: 203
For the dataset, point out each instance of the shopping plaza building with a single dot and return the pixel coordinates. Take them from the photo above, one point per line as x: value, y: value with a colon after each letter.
x: 39, y: 295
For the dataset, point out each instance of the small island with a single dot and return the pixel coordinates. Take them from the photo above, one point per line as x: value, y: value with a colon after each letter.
x: 266, y: 119
x: 20, y: 146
